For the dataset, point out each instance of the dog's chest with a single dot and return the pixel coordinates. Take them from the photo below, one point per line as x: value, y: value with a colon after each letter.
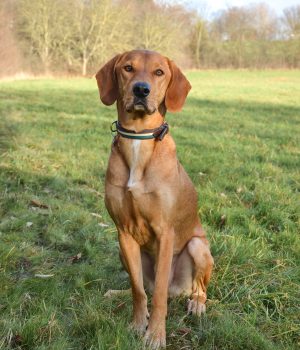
x: 136, y: 195
x: 138, y: 157
x: 135, y: 164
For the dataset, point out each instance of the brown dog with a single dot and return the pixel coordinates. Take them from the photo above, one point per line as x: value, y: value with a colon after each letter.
x: 147, y: 192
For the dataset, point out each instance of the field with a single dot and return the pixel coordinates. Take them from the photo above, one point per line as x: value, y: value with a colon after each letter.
x: 237, y: 137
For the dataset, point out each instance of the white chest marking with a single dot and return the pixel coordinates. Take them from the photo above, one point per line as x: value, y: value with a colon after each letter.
x: 135, y: 155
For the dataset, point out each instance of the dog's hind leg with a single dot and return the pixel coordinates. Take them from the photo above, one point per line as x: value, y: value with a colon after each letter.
x: 199, y: 251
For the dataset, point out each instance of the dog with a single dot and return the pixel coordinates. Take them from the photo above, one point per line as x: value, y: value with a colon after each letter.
x: 148, y: 194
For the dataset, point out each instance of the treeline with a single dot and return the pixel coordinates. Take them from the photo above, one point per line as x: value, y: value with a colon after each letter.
x: 77, y: 36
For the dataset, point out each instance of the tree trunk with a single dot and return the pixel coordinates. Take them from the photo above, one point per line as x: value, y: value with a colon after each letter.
x: 84, y: 64
x: 198, y: 44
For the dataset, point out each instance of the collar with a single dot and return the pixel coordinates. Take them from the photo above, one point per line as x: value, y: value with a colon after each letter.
x: 147, y: 134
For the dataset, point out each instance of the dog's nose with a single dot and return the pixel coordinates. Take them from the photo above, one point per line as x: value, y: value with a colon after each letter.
x: 141, y: 89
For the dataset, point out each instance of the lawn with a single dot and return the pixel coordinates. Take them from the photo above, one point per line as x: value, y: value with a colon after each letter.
x: 237, y: 137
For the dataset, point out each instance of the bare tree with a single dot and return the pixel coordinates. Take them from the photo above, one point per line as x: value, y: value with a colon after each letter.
x: 65, y: 53
x: 161, y: 28
x: 264, y: 22
x: 199, y: 32
x: 291, y: 19
x: 100, y: 29
x: 234, y: 25
x: 39, y: 22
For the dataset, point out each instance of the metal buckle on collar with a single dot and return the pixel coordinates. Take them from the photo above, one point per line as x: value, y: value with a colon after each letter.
x: 115, y: 123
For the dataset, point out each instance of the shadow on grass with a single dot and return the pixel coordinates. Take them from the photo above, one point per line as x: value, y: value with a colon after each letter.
x: 69, y: 204
x: 206, y: 115
x: 50, y: 101
x: 8, y: 131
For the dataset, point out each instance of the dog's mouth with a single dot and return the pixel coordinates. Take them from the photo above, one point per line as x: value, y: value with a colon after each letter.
x: 140, y: 106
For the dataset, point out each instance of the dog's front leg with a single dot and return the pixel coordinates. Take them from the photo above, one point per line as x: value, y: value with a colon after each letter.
x: 131, y: 254
x: 155, y: 336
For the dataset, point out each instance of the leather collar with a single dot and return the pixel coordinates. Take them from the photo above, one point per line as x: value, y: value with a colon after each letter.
x: 147, y: 134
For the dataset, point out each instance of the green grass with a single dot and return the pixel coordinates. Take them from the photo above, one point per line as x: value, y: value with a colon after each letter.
x: 238, y: 138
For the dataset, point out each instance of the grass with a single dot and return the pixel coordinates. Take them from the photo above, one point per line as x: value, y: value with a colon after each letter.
x: 238, y: 138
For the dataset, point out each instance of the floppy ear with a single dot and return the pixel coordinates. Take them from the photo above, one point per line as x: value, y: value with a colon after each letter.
x: 107, y: 82
x: 177, y: 90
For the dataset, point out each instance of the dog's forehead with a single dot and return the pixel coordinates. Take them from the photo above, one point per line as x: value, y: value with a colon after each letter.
x: 144, y: 56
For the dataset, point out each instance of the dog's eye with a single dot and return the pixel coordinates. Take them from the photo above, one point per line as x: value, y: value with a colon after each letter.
x: 159, y: 72
x: 128, y: 68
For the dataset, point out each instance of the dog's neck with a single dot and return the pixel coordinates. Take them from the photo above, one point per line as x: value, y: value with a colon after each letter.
x: 137, y: 153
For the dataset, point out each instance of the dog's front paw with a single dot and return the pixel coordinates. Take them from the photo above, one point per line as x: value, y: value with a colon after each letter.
x: 140, y: 323
x: 195, y: 307
x: 155, y: 338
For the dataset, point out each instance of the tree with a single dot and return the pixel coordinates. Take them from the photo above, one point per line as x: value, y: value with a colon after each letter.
x: 199, y: 33
x: 291, y: 20
x: 264, y: 22
x: 234, y: 27
x: 39, y: 20
x: 162, y: 28
x: 102, y: 28
x: 199, y: 38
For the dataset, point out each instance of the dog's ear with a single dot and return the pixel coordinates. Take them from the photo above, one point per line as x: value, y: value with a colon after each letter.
x: 107, y: 82
x: 177, y: 90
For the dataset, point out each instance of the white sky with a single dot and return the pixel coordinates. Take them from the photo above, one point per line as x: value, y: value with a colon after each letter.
x: 216, y: 5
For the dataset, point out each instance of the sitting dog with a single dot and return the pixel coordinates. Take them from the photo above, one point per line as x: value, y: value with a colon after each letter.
x: 148, y: 194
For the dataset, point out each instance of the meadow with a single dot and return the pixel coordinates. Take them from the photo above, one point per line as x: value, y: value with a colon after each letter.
x: 237, y: 137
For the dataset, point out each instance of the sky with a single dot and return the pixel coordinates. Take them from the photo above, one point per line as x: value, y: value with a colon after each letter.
x: 216, y: 5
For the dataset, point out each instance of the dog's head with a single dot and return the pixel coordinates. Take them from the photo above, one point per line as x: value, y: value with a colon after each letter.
x: 143, y: 82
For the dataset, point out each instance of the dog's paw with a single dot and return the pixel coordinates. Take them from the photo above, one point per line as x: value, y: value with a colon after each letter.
x: 195, y: 307
x: 156, y: 339
x: 139, y: 327
x: 140, y: 323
